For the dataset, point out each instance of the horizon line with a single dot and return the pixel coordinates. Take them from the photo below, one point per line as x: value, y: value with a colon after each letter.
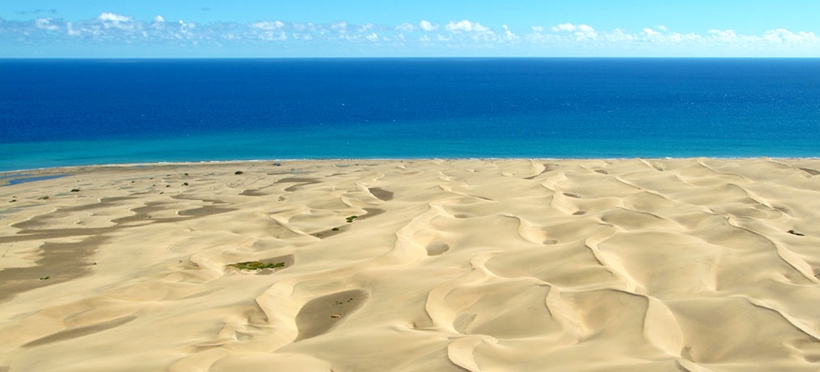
x: 402, y: 57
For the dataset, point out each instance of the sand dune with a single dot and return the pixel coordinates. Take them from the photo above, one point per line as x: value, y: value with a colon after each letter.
x: 424, y: 265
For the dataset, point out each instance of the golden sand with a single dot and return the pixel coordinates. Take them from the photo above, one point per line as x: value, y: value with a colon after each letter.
x: 424, y: 265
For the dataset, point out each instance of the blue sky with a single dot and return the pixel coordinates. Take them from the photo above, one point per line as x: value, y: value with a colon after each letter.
x: 423, y: 28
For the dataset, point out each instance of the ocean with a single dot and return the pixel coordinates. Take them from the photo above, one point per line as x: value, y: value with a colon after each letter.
x: 79, y: 112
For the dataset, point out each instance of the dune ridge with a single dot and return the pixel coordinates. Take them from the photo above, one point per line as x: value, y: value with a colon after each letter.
x: 420, y: 265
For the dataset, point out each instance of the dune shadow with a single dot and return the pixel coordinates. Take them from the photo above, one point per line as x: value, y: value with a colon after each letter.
x: 69, y: 334
x: 381, y: 193
x: 322, y: 314
x: 437, y: 248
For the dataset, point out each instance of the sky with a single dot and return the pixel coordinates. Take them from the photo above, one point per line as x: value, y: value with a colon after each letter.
x: 418, y: 28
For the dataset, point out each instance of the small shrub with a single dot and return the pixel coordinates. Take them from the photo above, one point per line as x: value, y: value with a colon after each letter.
x: 795, y: 233
x: 257, y: 265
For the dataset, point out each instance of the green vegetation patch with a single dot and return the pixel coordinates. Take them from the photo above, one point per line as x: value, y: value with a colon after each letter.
x: 257, y: 265
x: 351, y: 219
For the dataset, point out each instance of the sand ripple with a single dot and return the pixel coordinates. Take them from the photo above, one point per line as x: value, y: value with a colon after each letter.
x: 424, y: 265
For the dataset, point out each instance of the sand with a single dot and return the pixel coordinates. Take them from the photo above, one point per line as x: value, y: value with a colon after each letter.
x: 416, y: 265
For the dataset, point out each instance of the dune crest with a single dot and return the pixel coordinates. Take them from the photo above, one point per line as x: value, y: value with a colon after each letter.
x: 423, y: 265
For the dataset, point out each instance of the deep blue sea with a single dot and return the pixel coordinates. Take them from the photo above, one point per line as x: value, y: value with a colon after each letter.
x: 72, y: 112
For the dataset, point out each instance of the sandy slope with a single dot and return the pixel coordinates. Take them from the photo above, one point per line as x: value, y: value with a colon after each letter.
x: 503, y: 265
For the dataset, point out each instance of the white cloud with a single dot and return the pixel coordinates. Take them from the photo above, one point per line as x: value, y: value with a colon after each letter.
x: 509, y: 35
x: 727, y: 36
x: 305, y: 27
x: 112, y: 17
x: 268, y: 25
x: 676, y: 37
x: 427, y: 26
x: 585, y: 28
x: 70, y: 29
x: 537, y: 37
x: 45, y: 24
x: 273, y: 36
x: 465, y: 26
x: 561, y: 39
x: 116, y: 21
x: 650, y: 32
x: 579, y: 32
x: 782, y: 35
x: 771, y: 40
x: 264, y: 30
x: 619, y: 36
x: 568, y: 27
x: 406, y: 27
x: 186, y: 26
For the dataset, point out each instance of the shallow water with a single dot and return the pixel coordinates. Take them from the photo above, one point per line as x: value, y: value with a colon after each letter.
x: 76, y: 112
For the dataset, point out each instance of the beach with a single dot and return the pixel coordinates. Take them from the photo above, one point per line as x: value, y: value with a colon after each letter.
x: 697, y: 264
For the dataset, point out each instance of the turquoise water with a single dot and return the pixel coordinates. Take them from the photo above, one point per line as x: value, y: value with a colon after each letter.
x: 75, y: 112
x: 28, y: 178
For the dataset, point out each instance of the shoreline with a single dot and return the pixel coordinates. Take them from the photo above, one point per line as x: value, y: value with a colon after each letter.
x: 12, y: 173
